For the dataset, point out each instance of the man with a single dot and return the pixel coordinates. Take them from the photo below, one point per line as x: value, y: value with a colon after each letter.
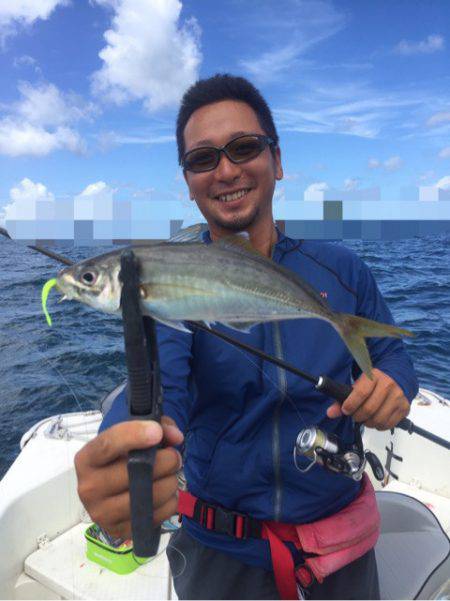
x: 240, y: 418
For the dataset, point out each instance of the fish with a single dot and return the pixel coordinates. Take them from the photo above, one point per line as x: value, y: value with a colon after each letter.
x: 226, y: 281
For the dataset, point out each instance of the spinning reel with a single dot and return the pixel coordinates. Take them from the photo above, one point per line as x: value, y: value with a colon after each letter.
x: 331, y: 453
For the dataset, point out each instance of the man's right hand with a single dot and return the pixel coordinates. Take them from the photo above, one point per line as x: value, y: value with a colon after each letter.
x: 101, y: 467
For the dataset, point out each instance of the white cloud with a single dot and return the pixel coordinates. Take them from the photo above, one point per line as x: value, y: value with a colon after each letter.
x: 23, y: 198
x: 350, y: 191
x: 97, y: 189
x: 94, y: 202
x: 28, y: 190
x: 300, y: 25
x: 271, y: 65
x: 443, y: 183
x: 391, y: 164
x: 326, y: 109
x: 152, y: 139
x: 149, y: 55
x: 351, y: 183
x: 39, y: 123
x: 322, y: 121
x: 18, y: 138
x: 334, y: 102
x: 439, y: 119
x: 432, y: 43
x: 46, y: 105
x: 314, y: 191
x: 15, y: 13
x: 25, y: 61
x: 445, y: 153
x: 110, y: 139
x: 322, y: 105
x: 317, y: 187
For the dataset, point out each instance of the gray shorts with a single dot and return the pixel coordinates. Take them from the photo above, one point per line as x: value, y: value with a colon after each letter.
x: 200, y: 572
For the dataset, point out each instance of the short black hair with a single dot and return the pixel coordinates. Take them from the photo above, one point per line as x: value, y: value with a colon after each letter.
x: 223, y: 86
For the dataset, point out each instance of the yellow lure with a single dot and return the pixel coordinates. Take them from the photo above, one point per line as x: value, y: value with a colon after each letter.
x: 44, y: 296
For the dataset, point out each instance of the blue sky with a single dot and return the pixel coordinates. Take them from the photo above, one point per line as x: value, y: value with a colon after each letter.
x: 89, y: 91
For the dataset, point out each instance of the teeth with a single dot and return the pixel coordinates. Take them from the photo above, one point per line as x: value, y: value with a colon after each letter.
x: 234, y: 196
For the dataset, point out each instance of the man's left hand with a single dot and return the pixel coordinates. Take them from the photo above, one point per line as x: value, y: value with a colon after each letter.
x: 378, y: 403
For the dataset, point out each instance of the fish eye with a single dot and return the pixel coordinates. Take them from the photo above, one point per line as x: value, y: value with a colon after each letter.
x: 88, y: 277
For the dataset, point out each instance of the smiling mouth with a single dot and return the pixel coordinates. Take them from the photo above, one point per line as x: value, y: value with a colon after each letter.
x: 232, y: 196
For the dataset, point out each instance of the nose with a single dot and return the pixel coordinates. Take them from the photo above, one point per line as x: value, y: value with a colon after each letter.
x: 226, y: 170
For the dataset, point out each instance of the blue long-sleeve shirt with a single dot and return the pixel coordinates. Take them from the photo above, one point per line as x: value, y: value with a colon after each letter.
x: 241, y: 416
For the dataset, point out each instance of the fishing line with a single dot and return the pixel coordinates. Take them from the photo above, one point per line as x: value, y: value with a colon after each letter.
x: 47, y: 360
x: 68, y: 385
x: 183, y: 556
x: 275, y: 384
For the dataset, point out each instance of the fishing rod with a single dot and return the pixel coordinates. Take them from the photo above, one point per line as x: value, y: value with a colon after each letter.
x: 40, y: 249
x: 323, y: 383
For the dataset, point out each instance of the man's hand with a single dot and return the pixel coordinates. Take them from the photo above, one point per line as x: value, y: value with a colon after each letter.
x: 378, y: 403
x: 101, y: 467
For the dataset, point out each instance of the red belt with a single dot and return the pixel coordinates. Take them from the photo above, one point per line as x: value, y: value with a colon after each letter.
x: 326, y: 545
x: 224, y: 521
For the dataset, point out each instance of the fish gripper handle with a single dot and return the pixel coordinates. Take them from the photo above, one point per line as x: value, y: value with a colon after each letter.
x: 144, y: 402
x: 145, y: 535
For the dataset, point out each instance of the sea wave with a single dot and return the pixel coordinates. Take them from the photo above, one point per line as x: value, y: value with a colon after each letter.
x: 73, y: 365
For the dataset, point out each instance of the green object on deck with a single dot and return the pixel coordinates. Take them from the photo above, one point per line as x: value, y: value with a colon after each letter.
x: 120, y: 560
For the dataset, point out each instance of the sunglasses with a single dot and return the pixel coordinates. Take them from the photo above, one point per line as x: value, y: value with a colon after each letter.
x: 240, y: 150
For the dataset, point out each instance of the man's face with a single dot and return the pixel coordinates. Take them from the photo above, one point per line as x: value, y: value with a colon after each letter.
x: 215, y: 125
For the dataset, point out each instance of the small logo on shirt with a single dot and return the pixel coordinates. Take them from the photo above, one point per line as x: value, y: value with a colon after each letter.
x: 324, y: 294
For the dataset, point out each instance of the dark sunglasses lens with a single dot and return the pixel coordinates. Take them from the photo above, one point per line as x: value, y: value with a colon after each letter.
x: 202, y: 159
x: 244, y: 149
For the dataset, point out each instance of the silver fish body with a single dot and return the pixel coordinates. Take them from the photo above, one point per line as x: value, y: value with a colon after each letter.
x: 222, y: 282
x: 219, y: 282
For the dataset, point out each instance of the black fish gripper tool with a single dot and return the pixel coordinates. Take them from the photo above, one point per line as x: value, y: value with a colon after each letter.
x: 144, y: 402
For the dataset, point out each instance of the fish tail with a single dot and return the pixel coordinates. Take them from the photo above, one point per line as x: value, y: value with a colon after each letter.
x: 354, y: 330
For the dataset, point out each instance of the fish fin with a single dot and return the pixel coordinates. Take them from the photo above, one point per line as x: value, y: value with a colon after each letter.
x: 208, y: 324
x: 242, y: 326
x: 354, y: 330
x: 193, y: 233
x: 176, y: 325
x: 240, y: 242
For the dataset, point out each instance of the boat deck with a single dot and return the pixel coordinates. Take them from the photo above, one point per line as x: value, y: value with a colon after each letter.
x: 61, y: 567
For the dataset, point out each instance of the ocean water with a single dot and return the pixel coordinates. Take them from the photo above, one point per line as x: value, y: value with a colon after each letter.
x: 72, y: 365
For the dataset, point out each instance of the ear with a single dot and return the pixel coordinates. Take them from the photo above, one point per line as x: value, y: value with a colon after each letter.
x: 278, y: 166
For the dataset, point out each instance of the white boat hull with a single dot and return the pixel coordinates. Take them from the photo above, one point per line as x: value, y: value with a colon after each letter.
x: 42, y: 520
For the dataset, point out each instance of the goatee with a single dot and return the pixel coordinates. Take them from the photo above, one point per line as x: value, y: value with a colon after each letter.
x: 239, y: 223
